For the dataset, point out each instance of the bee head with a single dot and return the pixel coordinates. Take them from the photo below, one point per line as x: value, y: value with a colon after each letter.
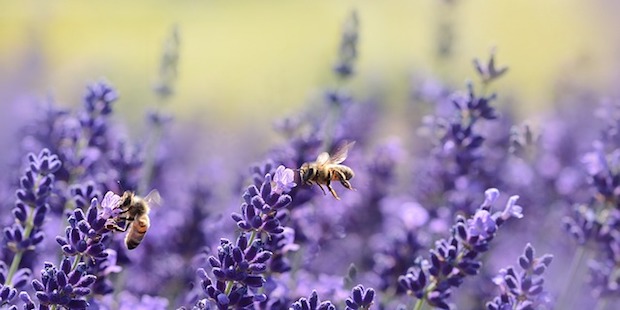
x: 307, y: 172
x: 126, y: 199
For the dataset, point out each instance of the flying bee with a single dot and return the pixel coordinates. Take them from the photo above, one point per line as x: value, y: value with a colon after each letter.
x: 327, y: 168
x: 134, y: 212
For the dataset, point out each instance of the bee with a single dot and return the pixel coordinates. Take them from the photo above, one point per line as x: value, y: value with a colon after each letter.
x: 134, y: 212
x: 327, y: 168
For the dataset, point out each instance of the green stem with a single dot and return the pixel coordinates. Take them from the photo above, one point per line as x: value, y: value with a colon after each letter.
x: 484, y: 89
x: 14, y: 265
x: 418, y: 305
x: 29, y: 226
x: 229, y: 286
x: 77, y: 260
x: 252, y: 237
x: 565, y: 296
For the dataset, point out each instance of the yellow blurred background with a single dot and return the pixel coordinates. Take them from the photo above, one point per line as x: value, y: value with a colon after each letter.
x: 246, y: 62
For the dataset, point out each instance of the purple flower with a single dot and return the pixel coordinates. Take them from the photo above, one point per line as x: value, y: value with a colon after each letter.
x: 284, y: 179
x: 30, y: 211
x: 99, y: 98
x: 347, y: 53
x: 242, y: 262
x: 361, y: 298
x: 280, y: 245
x: 102, y: 268
x: 259, y: 212
x: 84, y: 234
x: 482, y: 225
x: 109, y: 206
x: 512, y: 209
x: 31, y: 206
x: 452, y: 259
x: 237, y: 271
x: 66, y: 286
x: 164, y: 87
x: 490, y: 195
x: 223, y: 295
x: 522, y: 289
x: 487, y: 71
x: 83, y: 193
x: 312, y: 303
x: 8, y: 289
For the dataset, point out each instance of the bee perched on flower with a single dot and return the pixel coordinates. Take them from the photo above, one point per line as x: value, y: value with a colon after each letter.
x: 133, y: 210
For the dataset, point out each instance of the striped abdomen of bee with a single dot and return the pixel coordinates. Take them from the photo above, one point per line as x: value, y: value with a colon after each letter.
x: 341, y: 173
x: 137, y: 230
x: 134, y: 216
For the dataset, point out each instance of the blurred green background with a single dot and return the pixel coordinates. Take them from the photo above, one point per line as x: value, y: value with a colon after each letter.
x: 242, y: 63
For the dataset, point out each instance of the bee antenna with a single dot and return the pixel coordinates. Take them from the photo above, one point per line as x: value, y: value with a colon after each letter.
x: 120, y: 186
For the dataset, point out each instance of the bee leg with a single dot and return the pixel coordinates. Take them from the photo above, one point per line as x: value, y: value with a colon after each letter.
x: 344, y: 181
x: 111, y: 225
x: 322, y: 189
x: 331, y: 189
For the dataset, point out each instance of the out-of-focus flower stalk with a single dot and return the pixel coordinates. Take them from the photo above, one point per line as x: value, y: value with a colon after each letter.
x: 343, y: 70
x: 488, y: 72
x: 164, y: 89
x: 577, y: 267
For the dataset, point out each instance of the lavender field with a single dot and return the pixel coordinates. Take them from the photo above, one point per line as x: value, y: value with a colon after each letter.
x: 461, y: 197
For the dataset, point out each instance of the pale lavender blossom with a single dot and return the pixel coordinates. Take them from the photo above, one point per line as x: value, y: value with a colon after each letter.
x: 284, y: 180
x: 109, y: 205
x: 512, y: 209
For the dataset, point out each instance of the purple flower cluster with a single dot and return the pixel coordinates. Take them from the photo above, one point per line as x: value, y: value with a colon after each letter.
x: 451, y: 260
x: 259, y: 212
x: 83, y: 236
x: 26, y: 233
x: 416, y: 233
x: 31, y: 205
x: 237, y: 270
x: 312, y: 303
x: 65, y: 286
x: 523, y: 290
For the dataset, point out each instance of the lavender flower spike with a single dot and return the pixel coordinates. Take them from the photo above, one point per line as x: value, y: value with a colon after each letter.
x: 30, y: 210
x: 361, y: 298
x: 488, y: 71
x: 238, y: 270
x: 8, y: 290
x: 312, y: 303
x: 522, y: 290
x: 260, y: 211
x: 31, y: 206
x: 453, y: 259
x: 65, y: 286
x: 84, y: 234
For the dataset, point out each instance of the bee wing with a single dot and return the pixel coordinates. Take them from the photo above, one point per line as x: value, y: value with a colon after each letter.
x: 341, y: 153
x: 153, y: 198
x: 322, y: 159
